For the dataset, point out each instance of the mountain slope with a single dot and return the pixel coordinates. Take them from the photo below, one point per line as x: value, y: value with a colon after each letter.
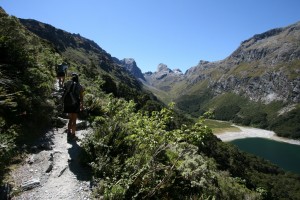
x: 26, y: 82
x: 133, y: 153
x: 253, y: 86
x: 130, y: 65
x: 79, y: 50
x: 94, y: 64
x: 264, y: 68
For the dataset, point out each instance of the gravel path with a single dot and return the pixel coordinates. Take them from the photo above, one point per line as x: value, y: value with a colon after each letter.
x: 53, y: 169
x: 54, y: 173
x: 247, y: 132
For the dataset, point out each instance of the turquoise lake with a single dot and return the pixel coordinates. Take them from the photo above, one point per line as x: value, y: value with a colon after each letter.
x: 286, y: 156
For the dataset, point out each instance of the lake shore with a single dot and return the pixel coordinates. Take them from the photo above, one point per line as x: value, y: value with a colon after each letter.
x: 249, y: 132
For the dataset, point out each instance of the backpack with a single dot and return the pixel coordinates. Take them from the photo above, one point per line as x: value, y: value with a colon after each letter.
x: 71, y: 95
x: 60, y: 68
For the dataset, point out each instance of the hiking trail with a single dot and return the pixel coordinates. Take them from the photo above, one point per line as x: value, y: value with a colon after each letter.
x: 52, y: 170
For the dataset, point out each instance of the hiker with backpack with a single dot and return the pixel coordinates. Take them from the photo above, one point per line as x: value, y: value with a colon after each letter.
x: 73, y: 103
x: 61, y: 72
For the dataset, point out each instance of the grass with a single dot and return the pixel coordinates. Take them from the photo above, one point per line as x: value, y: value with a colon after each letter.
x: 161, y: 95
x: 220, y: 126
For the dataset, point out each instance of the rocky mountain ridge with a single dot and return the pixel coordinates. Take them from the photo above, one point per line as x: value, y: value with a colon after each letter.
x: 84, y: 53
x: 66, y: 43
x: 257, y: 85
x: 263, y: 68
x: 60, y: 38
x: 163, y: 77
x: 130, y: 65
x: 249, y: 76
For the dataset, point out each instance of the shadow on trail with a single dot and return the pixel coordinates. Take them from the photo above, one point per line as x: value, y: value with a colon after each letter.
x: 81, y: 171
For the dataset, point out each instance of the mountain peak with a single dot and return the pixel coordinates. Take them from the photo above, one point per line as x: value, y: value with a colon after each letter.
x: 272, y: 47
x: 129, y: 61
x: 130, y: 65
x: 163, y: 68
x: 203, y: 62
x: 177, y: 71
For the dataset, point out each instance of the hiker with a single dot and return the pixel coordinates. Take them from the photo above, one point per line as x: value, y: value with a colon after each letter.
x: 73, y: 103
x: 61, y: 72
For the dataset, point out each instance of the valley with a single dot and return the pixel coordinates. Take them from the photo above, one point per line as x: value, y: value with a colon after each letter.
x: 135, y: 146
x: 257, y: 85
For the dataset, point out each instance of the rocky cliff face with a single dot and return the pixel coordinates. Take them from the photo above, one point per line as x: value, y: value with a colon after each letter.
x: 60, y: 38
x: 265, y: 67
x: 271, y: 47
x: 130, y: 65
x: 268, y: 87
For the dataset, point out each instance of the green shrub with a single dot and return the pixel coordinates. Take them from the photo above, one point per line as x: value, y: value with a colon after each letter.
x: 288, y: 125
x: 136, y: 155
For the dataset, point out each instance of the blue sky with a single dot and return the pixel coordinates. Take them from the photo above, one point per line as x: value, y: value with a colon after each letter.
x: 178, y: 33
